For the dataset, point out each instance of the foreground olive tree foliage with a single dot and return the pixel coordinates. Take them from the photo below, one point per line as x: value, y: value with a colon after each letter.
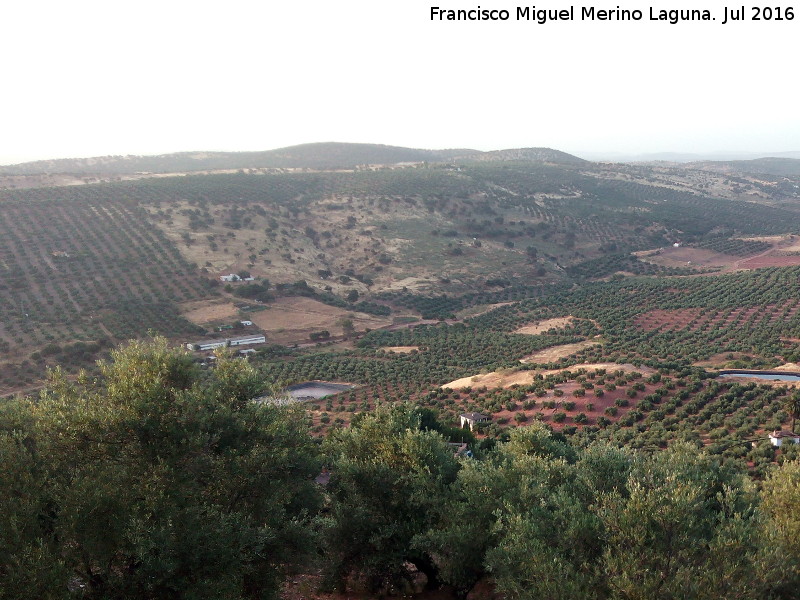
x: 548, y: 521
x: 389, y: 478
x: 155, y: 481
x: 544, y: 519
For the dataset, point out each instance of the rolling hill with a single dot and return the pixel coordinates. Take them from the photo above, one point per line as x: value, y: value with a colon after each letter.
x: 318, y: 156
x: 432, y: 233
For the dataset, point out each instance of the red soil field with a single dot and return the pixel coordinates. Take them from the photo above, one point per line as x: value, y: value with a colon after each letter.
x: 770, y: 261
x: 504, y: 417
x: 692, y: 319
x: 600, y: 404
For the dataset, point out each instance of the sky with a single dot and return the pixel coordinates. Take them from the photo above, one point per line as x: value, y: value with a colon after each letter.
x: 90, y: 78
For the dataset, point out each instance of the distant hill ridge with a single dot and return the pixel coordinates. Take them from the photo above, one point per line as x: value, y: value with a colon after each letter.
x: 324, y: 155
x: 788, y: 167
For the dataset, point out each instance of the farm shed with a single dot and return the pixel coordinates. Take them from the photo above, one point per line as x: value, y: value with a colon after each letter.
x: 247, y: 340
x: 472, y: 418
x: 212, y: 344
x: 203, y: 346
x: 235, y: 277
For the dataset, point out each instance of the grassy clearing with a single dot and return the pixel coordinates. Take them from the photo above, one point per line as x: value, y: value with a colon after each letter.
x: 292, y: 320
x: 555, y: 353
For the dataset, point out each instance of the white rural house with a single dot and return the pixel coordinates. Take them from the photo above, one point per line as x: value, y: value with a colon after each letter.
x: 235, y: 277
x: 470, y: 419
x: 777, y: 438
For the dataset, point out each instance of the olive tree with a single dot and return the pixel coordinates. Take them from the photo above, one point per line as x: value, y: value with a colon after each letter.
x: 155, y: 480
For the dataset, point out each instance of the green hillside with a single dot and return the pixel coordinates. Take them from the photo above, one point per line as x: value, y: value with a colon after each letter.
x: 789, y: 167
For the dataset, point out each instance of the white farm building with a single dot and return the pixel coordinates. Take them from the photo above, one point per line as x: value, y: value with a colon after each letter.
x: 241, y: 341
x: 235, y: 277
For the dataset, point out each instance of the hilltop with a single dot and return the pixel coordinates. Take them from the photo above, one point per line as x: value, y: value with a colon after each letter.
x: 316, y: 156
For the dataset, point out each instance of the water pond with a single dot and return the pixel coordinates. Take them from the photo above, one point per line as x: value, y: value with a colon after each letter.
x: 770, y: 375
x: 314, y: 390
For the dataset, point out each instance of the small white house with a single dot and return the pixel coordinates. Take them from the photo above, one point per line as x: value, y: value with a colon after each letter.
x: 777, y: 438
x: 231, y: 277
x: 469, y: 419
x: 246, y: 323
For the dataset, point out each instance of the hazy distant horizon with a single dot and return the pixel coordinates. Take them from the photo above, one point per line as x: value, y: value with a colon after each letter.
x: 91, y: 78
x: 593, y: 154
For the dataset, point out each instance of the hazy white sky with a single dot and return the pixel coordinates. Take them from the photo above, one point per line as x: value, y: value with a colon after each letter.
x: 86, y: 78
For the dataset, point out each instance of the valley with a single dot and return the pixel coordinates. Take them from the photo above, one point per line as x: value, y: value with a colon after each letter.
x: 511, y: 272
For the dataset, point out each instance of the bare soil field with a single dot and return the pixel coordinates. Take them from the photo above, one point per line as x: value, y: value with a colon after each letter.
x: 202, y: 312
x: 770, y: 260
x: 687, y: 257
x: 494, y: 379
x: 770, y: 239
x: 292, y: 319
x: 546, y: 325
x: 701, y: 258
x: 400, y: 349
x: 510, y: 377
x: 556, y: 352
x: 480, y: 309
x: 693, y: 320
x: 626, y: 367
x: 409, y: 283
